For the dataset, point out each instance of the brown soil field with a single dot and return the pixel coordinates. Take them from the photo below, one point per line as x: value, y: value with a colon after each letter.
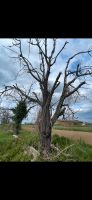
x: 76, y: 135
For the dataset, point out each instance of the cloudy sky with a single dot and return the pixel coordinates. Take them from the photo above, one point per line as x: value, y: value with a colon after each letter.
x: 9, y: 67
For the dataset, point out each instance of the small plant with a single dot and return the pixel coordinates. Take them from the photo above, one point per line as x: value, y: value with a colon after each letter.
x: 20, y: 112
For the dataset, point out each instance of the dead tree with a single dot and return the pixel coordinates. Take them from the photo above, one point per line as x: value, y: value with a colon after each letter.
x: 41, y: 75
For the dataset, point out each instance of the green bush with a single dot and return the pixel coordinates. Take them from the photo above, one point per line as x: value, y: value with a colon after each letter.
x: 20, y: 112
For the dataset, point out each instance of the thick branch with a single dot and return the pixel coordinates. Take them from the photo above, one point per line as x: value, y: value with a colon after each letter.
x: 57, y: 114
x: 55, y: 58
x: 40, y: 48
x: 37, y: 98
x: 10, y: 88
x: 46, y: 46
x: 56, y: 84
x: 67, y: 114
x: 73, y: 91
x: 30, y: 108
x: 53, y: 50
x: 62, y: 98
x: 68, y: 62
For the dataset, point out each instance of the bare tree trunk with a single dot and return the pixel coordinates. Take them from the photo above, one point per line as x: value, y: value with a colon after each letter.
x: 17, y: 128
x: 45, y: 131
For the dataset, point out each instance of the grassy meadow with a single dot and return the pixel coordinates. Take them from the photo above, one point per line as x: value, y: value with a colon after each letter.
x: 12, y: 149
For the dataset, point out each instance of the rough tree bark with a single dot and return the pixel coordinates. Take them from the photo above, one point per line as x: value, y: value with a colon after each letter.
x: 45, y: 131
x: 17, y: 128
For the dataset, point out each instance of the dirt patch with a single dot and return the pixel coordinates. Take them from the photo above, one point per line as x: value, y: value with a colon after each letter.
x: 76, y: 135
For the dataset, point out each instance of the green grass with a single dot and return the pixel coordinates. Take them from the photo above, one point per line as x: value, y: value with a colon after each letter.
x: 79, y: 152
x: 13, y: 150
x: 74, y: 128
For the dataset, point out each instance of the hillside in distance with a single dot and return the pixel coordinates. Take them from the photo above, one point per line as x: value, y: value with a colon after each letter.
x: 67, y: 123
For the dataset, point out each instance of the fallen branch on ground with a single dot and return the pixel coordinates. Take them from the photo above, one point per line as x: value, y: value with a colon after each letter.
x: 58, y: 150
x: 61, y: 152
